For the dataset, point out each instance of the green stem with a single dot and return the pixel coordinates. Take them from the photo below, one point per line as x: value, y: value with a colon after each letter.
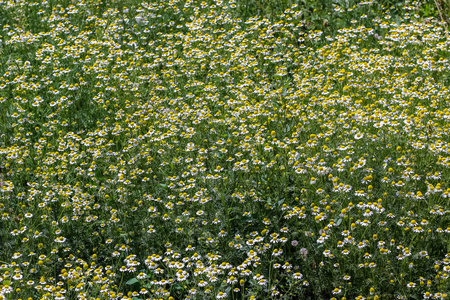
x: 120, y: 284
x: 270, y: 272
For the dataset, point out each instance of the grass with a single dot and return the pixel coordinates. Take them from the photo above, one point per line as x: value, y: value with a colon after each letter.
x: 220, y: 149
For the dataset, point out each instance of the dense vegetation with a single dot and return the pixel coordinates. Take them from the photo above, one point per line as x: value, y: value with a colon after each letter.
x: 224, y: 149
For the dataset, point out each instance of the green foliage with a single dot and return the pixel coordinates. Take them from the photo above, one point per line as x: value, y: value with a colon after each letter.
x: 224, y: 149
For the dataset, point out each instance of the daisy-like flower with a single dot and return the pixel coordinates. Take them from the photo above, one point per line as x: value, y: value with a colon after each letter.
x: 359, y: 136
x: 17, y: 276
x: 202, y: 283
x: 336, y: 291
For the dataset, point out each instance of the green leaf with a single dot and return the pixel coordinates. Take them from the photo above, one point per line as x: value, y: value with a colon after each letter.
x: 178, y: 287
x: 132, y: 281
x: 247, y: 219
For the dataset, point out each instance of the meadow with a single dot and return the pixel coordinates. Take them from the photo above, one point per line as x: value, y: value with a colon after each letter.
x: 224, y: 150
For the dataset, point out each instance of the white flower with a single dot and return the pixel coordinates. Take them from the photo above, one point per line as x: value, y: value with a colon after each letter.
x: 304, y: 253
x: 359, y: 136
